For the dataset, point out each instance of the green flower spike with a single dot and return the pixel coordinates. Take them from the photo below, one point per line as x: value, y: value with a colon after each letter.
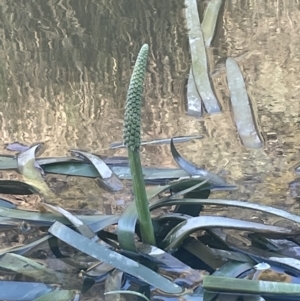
x: 132, y: 139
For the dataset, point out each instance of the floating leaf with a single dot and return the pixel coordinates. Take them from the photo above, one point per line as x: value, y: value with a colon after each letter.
x: 113, y: 258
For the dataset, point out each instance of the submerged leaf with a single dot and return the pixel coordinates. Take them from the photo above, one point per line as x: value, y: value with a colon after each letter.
x: 26, y: 248
x: 16, y: 187
x: 179, y: 139
x: 59, y: 295
x: 113, y: 283
x: 142, y: 296
x: 24, y: 291
x: 29, y: 267
x: 113, y: 258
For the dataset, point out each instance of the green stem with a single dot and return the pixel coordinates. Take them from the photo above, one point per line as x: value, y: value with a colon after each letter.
x: 141, y: 200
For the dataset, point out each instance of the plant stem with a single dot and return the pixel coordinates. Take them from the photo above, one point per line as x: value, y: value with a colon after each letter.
x: 141, y: 200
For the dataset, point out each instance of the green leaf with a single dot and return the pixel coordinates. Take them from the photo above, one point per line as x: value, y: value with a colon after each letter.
x: 108, y: 180
x: 179, y: 139
x: 193, y: 170
x: 199, y: 58
x: 113, y: 258
x: 241, y: 106
x: 244, y: 287
x: 177, y: 235
x: 47, y: 219
x: 24, y: 291
x: 16, y: 187
x: 31, y: 175
x: 126, y: 228
x: 210, y: 20
x: 29, y: 267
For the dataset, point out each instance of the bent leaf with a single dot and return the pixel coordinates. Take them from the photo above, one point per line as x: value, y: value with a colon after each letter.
x: 108, y: 181
x: 177, y: 235
x: 193, y: 170
x: 30, y: 173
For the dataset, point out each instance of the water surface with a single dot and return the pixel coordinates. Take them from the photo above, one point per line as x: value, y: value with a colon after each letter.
x: 65, y: 68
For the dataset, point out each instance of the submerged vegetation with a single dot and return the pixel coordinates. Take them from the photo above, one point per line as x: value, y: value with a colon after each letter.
x: 170, y: 242
x: 181, y: 254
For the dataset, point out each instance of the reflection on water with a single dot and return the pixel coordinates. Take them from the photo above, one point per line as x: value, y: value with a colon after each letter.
x: 65, y: 68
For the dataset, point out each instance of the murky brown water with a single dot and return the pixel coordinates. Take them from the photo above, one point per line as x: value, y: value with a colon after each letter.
x: 65, y: 68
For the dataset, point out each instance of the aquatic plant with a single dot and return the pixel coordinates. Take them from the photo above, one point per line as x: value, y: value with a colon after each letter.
x: 132, y: 139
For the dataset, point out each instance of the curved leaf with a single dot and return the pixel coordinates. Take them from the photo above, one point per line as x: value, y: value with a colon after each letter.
x: 108, y: 181
x: 31, y: 174
x: 178, y: 234
x: 231, y: 203
x: 193, y: 170
x: 126, y: 228
x: 16, y: 187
